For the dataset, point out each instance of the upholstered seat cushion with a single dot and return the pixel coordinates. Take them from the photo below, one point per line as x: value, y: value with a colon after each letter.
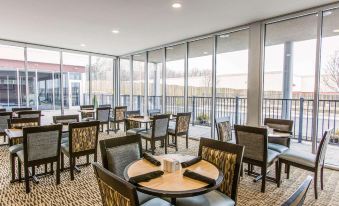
x: 146, y: 134
x: 214, y: 198
x: 303, y: 158
x: 65, y: 148
x: 15, y: 148
x: 156, y: 202
x: 271, y: 155
x: 277, y: 147
x: 142, y: 197
x: 134, y: 131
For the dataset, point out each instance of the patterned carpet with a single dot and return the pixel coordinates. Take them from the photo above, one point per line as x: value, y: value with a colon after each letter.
x: 84, y: 190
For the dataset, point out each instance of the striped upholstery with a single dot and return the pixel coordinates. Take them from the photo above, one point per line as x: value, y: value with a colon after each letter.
x: 42, y: 145
x: 83, y: 138
x: 226, y: 162
x: 254, y: 145
x: 111, y: 197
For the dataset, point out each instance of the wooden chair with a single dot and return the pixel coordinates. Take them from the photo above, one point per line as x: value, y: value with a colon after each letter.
x: 83, y: 140
x: 307, y: 161
x: 159, y: 131
x: 16, y: 144
x: 65, y: 120
x: 153, y: 112
x: 103, y: 116
x: 4, y: 117
x: 298, y: 197
x: 41, y: 145
x: 119, y: 117
x: 224, y: 129
x: 86, y: 115
x: 257, y: 153
x: 279, y: 125
x: 29, y: 114
x: 220, y: 154
x: 105, y: 105
x: 2, y: 109
x: 116, y: 191
x: 132, y: 127
x: 182, y: 124
x: 17, y: 109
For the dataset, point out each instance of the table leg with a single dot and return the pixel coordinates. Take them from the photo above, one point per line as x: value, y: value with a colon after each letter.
x: 173, y: 201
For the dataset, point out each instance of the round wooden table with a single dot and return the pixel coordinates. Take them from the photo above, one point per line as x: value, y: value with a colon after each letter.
x: 174, y: 185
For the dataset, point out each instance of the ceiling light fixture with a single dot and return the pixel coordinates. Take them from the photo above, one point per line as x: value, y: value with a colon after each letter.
x: 205, y: 52
x: 327, y: 13
x: 336, y: 30
x: 82, y: 45
x: 176, y: 5
x: 115, y: 31
x: 224, y: 36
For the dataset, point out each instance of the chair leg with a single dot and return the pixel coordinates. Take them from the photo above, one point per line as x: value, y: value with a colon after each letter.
x: 315, y: 180
x: 52, y: 169
x: 176, y: 143
x: 12, y: 162
x: 263, y: 184
x: 322, y: 177
x: 288, y: 171
x: 146, y: 144
x: 187, y: 141
x: 71, y: 161
x: 87, y: 159
x: 277, y: 173
x: 152, y: 146
x: 166, y: 145
x: 19, y: 170
x: 58, y: 171
x: 95, y: 156
x: 62, y: 163
x: 241, y: 170
x: 26, y: 178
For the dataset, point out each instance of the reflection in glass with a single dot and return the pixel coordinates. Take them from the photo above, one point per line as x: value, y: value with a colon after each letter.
x: 155, y: 80
x: 138, y: 82
x: 125, y: 82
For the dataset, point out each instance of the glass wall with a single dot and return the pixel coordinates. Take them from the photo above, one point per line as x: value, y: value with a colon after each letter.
x: 200, y: 83
x: 155, y: 59
x: 125, y: 82
x: 139, y: 82
x: 231, y: 76
x: 289, y: 73
x: 102, y: 80
x: 175, y: 78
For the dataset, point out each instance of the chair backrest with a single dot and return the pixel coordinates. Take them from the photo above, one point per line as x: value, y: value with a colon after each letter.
x: 224, y: 129
x: 228, y: 158
x: 321, y: 153
x: 182, y: 122
x: 29, y: 114
x: 85, y: 114
x: 2, y: 109
x: 42, y: 142
x: 119, y: 113
x: 298, y: 197
x: 19, y: 123
x: 65, y: 119
x: 4, y: 117
x: 114, y: 190
x: 105, y: 105
x: 255, y: 141
x: 281, y: 125
x: 153, y: 112
x: 117, y: 153
x: 83, y: 136
x: 160, y: 125
x: 132, y: 124
x: 103, y: 114
x: 16, y: 109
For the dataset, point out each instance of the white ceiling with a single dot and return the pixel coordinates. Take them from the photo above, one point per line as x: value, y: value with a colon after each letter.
x: 142, y: 23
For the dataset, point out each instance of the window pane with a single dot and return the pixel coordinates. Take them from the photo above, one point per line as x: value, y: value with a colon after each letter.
x: 329, y: 83
x: 125, y: 81
x: 231, y: 76
x: 12, y: 76
x: 138, y: 82
x: 102, y: 80
x: 155, y: 79
x: 175, y: 78
x: 200, y: 86
x: 290, y: 49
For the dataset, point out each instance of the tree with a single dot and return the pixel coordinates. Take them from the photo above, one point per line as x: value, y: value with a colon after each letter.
x: 331, y: 77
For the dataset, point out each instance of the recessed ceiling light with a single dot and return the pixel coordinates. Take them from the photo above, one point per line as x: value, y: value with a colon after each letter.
x: 205, y: 52
x: 169, y: 47
x: 224, y: 36
x: 115, y: 31
x: 176, y: 5
x: 336, y: 30
x: 82, y: 45
x: 327, y: 13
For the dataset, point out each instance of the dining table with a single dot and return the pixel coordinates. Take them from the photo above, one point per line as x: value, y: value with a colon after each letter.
x: 174, y: 184
x: 145, y: 119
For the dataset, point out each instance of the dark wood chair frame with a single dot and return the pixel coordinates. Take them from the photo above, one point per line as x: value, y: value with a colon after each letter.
x: 105, y: 105
x: 125, y: 188
x: 4, y: 113
x: 102, y: 123
x: 231, y: 148
x: 27, y: 112
x: 39, y: 162
x: 2, y: 109
x: 134, y: 113
x: 73, y: 155
x: 17, y: 109
x: 283, y: 141
x: 319, y: 164
x: 116, y: 123
x: 298, y: 197
x: 115, y: 142
x: 154, y: 139
x: 221, y: 120
x: 262, y: 164
x: 86, y: 115
x: 153, y: 112
x: 176, y: 133
x: 56, y: 119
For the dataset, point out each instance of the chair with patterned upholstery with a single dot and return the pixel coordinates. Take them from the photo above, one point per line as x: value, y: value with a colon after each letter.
x: 117, y: 153
x: 87, y: 115
x: 2, y: 109
x: 83, y: 140
x: 17, y: 109
x: 133, y: 127
x: 224, y: 129
x: 181, y: 128
x: 105, y: 105
x: 29, y: 114
x: 65, y: 120
x: 16, y: 144
x: 4, y: 117
x: 41, y: 145
x: 115, y: 191
x: 308, y: 161
x: 298, y: 197
x: 119, y: 117
x: 228, y: 158
x: 257, y: 153
x: 158, y: 132
x: 103, y: 116
x: 283, y: 126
